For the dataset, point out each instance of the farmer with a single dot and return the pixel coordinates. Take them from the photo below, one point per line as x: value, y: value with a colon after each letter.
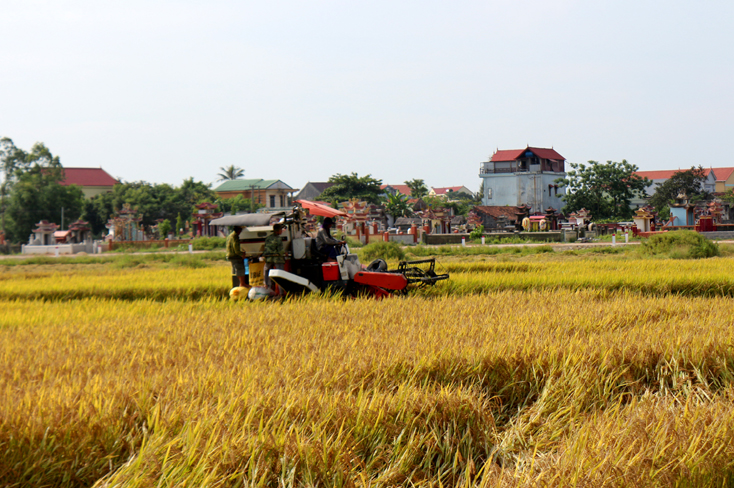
x: 273, y: 253
x: 236, y: 255
x: 326, y: 244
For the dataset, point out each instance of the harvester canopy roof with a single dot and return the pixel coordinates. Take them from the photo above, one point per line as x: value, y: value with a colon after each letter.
x: 247, y: 220
x: 315, y: 208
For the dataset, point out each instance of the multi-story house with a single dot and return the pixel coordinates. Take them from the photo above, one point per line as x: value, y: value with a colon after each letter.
x: 523, y: 176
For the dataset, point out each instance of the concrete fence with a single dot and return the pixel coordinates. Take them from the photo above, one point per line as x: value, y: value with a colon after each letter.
x: 86, y: 246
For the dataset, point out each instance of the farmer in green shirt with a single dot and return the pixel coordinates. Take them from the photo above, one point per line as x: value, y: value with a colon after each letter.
x: 236, y: 255
x: 274, y: 253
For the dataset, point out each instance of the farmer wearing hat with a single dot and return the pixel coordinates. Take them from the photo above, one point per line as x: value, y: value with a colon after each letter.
x: 273, y: 253
x: 236, y: 255
x: 324, y: 242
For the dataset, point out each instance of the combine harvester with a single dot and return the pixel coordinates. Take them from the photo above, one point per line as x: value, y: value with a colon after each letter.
x: 307, y: 271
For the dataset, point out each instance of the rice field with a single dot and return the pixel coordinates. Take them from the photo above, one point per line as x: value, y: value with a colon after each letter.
x: 542, y: 370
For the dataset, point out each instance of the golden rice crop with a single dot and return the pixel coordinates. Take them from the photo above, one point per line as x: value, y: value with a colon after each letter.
x: 515, y: 385
x: 710, y: 277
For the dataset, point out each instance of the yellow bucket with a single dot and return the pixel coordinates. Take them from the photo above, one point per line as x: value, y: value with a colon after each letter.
x: 256, y: 274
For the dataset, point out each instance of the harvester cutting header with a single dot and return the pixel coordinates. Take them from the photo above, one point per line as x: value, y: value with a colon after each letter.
x: 320, y: 263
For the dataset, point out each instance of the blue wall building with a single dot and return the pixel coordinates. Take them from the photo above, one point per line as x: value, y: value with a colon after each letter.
x: 523, y: 176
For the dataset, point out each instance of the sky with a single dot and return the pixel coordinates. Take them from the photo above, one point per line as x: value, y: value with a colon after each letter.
x: 296, y: 90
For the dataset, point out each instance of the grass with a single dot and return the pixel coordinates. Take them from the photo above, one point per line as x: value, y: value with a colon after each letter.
x: 548, y: 369
x: 423, y: 251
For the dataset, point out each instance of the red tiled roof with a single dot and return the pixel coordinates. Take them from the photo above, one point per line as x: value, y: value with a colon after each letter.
x: 507, y: 155
x: 443, y: 191
x: 404, y: 189
x: 664, y: 174
x: 513, y: 154
x: 497, y: 211
x: 723, y: 174
x: 87, y: 177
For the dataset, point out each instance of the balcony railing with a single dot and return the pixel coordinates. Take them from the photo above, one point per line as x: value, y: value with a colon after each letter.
x: 484, y: 171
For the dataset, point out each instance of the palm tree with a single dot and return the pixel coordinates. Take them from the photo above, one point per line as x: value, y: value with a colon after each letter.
x: 397, y: 206
x: 231, y: 172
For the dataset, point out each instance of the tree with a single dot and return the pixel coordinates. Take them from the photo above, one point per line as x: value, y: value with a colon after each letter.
x: 15, y: 162
x: 237, y: 204
x: 10, y: 156
x: 459, y: 206
x: 231, y: 172
x: 605, y: 189
x: 31, y: 190
x: 164, y: 228
x: 418, y: 188
x: 35, y: 192
x: 152, y: 202
x: 689, y: 182
x: 397, y: 205
x: 347, y: 187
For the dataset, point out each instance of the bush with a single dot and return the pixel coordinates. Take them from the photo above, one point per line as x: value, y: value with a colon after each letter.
x: 477, y: 233
x: 353, y: 243
x: 679, y: 244
x: 382, y: 250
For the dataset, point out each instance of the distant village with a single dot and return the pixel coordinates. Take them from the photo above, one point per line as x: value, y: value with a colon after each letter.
x: 520, y: 192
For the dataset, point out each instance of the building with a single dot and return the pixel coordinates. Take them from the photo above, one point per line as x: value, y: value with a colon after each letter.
x: 312, y: 190
x: 275, y: 195
x: 395, y: 189
x: 658, y: 177
x: 449, y: 190
x: 494, y: 217
x: 724, y: 179
x: 93, y: 181
x: 523, y: 176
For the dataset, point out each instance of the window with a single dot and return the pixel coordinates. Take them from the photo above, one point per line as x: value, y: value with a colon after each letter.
x: 272, y: 201
x: 489, y: 193
x: 282, y: 203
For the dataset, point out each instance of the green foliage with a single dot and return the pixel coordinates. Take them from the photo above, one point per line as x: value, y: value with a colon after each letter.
x: 477, y: 232
x: 179, y: 225
x: 237, y: 204
x: 152, y: 201
x: 418, y: 188
x: 689, y: 182
x: 347, y: 187
x: 397, y: 205
x: 230, y: 172
x: 460, y: 207
x: 164, y: 228
x: 680, y: 244
x: 604, y: 189
x: 382, y: 250
x: 31, y: 190
x: 353, y: 243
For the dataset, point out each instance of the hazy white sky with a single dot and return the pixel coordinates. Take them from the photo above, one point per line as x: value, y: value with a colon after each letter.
x: 160, y: 91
